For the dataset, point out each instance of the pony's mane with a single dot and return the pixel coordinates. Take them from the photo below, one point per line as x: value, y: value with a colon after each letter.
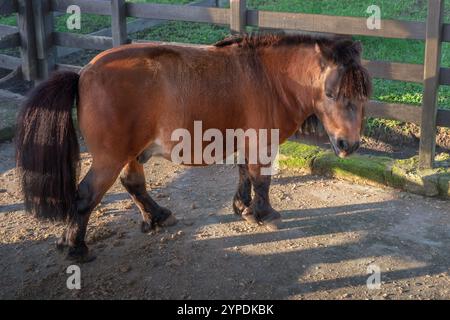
x: 263, y: 40
x: 355, y: 81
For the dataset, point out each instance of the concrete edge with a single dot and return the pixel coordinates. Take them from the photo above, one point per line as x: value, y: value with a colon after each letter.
x: 365, y: 169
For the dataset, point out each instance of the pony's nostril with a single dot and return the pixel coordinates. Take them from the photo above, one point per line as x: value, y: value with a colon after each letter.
x: 343, y: 145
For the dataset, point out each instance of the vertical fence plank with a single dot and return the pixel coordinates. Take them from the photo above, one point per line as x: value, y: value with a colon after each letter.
x: 431, y: 82
x: 238, y: 16
x: 46, y: 51
x: 49, y: 25
x: 27, y: 40
x: 119, y: 22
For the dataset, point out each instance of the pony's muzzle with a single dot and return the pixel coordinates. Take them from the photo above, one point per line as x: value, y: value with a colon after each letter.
x: 343, y: 148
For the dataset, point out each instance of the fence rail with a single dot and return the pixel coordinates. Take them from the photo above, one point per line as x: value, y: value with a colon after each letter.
x: 38, y: 56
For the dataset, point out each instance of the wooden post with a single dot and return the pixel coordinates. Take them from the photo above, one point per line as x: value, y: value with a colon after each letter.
x: 238, y: 18
x: 432, y: 67
x: 46, y: 51
x: 27, y: 40
x: 119, y: 22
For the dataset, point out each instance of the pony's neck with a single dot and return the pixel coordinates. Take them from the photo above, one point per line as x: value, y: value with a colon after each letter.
x: 293, y: 73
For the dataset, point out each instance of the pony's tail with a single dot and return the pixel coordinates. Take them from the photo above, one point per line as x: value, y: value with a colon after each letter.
x: 47, y: 150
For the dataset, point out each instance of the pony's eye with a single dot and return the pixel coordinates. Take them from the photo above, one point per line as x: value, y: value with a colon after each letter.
x: 330, y: 95
x: 351, y: 106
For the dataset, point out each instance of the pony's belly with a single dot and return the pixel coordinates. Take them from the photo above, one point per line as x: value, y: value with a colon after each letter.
x: 165, y: 150
x: 154, y: 150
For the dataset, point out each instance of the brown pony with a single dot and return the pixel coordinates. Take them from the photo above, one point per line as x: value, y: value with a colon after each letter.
x: 130, y: 99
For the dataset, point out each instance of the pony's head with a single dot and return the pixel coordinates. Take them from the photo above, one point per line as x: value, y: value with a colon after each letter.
x: 344, y: 87
x: 331, y: 67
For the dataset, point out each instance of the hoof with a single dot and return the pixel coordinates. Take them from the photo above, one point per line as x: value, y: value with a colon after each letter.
x: 239, y: 206
x: 272, y: 221
x: 273, y: 225
x: 146, y: 226
x: 164, y: 218
x: 171, y: 220
x: 248, y: 216
x: 80, y: 254
x: 61, y: 243
x: 236, y: 210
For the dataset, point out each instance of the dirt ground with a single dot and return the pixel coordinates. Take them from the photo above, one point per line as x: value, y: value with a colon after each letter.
x: 332, y: 231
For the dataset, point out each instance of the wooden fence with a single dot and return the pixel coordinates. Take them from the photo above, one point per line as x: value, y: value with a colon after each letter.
x: 36, y: 37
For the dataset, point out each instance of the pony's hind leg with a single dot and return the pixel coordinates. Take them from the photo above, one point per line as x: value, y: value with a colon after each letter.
x: 243, y: 196
x: 133, y: 179
x: 90, y: 191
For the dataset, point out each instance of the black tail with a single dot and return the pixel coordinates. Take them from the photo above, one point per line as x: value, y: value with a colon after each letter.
x: 47, y: 150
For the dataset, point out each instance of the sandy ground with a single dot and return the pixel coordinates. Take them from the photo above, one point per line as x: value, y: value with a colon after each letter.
x: 332, y: 231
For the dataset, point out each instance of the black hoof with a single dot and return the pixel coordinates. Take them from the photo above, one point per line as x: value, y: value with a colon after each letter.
x: 80, y: 254
x: 238, y: 206
x: 61, y: 244
x: 272, y: 221
x: 248, y: 216
x: 146, y: 227
x: 165, y: 218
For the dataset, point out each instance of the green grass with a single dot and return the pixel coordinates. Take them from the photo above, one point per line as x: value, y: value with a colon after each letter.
x: 299, y: 155
x: 402, y: 174
x: 186, y: 32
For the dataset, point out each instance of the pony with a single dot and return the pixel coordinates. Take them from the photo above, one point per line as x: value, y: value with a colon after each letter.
x: 130, y: 99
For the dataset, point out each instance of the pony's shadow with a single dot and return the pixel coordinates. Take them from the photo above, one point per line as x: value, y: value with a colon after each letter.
x: 374, y: 244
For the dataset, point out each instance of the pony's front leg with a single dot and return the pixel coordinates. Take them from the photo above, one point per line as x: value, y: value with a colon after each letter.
x: 260, y: 209
x: 133, y: 179
x: 243, y: 196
